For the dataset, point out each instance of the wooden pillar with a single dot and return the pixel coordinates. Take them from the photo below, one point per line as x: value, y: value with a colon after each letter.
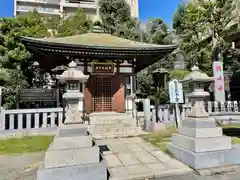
x: 134, y: 83
x: 83, y: 91
x: 85, y: 66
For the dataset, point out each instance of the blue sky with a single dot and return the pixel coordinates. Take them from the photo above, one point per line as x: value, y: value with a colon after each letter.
x: 147, y: 9
x: 6, y: 8
x: 158, y: 8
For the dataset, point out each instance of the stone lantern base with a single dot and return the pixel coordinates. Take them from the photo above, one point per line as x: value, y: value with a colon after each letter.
x: 73, y: 156
x: 201, y: 144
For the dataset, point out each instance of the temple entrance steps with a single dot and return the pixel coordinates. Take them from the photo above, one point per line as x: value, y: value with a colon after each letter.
x: 113, y: 125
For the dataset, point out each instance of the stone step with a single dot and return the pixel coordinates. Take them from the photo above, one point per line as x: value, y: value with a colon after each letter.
x: 109, y: 125
x: 113, y: 125
x: 117, y: 135
x: 114, y: 130
x: 117, y: 120
x: 106, y: 114
x: 115, y: 117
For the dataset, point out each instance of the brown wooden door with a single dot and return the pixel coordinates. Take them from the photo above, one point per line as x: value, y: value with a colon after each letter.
x: 102, y: 99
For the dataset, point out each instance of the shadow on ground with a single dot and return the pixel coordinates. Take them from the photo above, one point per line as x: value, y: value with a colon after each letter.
x: 233, y: 132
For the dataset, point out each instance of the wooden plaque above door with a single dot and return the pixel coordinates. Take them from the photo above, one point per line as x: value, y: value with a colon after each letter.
x: 103, y: 68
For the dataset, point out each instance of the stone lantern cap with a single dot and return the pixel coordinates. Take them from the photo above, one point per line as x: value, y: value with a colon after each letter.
x: 72, y: 73
x: 196, y: 76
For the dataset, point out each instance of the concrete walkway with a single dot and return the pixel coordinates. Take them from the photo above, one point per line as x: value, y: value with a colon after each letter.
x: 134, y: 158
x: 128, y: 159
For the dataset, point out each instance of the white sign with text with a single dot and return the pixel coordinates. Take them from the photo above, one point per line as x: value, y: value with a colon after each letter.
x: 175, y: 89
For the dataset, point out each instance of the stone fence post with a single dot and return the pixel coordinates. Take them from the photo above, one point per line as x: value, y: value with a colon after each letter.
x: 147, y: 114
x: 2, y: 118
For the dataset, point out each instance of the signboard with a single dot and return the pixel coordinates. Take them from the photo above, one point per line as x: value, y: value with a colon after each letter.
x: 218, y: 74
x: 37, y: 94
x: 227, y: 78
x: 175, y: 90
x: 103, y: 68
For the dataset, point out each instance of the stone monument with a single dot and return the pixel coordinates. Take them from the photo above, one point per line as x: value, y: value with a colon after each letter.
x: 72, y: 154
x: 199, y: 142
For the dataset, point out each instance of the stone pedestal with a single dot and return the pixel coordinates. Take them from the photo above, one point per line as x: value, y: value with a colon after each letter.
x: 200, y: 144
x: 72, y: 103
x: 72, y: 156
x: 72, y: 130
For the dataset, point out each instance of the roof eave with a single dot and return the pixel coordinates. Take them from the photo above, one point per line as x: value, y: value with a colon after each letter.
x: 59, y: 45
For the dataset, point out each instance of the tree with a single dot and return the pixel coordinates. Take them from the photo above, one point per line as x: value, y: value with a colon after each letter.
x: 218, y: 15
x: 157, y: 31
x: 114, y: 13
x: 205, y: 19
x: 178, y: 18
x: 14, y: 58
x: 75, y: 24
x: 116, y: 19
x: 179, y: 74
x: 192, y: 33
x: 52, y: 23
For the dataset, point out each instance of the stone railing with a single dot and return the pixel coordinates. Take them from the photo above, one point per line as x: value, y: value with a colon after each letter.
x: 22, y: 119
x: 30, y: 118
x: 225, y: 111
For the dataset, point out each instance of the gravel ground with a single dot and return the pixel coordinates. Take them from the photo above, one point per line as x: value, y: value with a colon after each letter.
x: 18, y: 166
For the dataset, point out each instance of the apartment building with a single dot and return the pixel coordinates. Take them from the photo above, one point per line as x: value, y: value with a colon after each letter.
x: 64, y: 8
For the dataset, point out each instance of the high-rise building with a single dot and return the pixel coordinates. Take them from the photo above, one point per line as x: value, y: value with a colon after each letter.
x: 63, y: 8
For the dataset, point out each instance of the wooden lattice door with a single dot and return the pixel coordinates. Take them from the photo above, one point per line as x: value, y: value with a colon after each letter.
x: 102, y: 94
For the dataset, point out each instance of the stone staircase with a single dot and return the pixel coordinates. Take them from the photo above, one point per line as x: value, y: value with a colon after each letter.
x: 113, y: 125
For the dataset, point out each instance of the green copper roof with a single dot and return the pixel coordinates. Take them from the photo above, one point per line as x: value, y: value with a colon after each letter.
x: 98, y: 40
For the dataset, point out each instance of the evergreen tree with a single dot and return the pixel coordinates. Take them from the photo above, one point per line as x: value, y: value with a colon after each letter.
x: 75, y: 24
x: 116, y: 19
x: 14, y: 58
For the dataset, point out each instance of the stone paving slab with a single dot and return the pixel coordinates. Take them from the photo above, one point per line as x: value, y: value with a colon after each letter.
x: 133, y: 159
x: 113, y: 161
x: 134, y: 147
x: 145, y: 157
x: 118, y: 148
x: 128, y: 159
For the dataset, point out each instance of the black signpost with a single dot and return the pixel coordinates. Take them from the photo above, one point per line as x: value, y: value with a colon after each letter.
x: 38, y: 96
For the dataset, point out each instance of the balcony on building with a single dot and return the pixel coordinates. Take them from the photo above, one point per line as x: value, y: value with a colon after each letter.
x: 53, y: 2
x: 85, y: 4
x: 42, y: 10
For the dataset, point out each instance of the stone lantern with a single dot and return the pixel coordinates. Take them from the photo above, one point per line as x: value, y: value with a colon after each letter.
x: 199, y: 143
x: 73, y: 79
x: 72, y: 154
x: 196, y: 81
